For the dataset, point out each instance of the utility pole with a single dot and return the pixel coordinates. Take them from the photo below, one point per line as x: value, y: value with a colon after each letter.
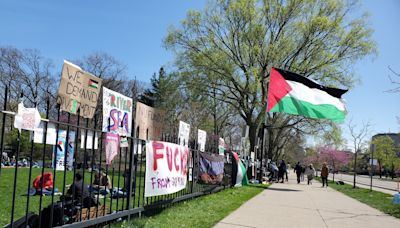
x: 354, y: 168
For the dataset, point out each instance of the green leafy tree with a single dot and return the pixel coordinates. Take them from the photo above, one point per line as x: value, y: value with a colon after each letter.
x: 230, y: 47
x: 385, y: 152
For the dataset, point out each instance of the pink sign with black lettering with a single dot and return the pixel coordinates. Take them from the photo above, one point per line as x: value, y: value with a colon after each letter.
x: 166, y: 168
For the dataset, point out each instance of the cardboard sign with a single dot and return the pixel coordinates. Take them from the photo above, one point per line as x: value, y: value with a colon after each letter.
x: 117, y: 113
x: 51, y: 134
x: 27, y: 118
x: 150, y: 122
x: 78, y: 90
x: 201, y: 139
x: 111, y: 146
x: 166, y: 168
x: 184, y: 131
x: 89, y: 140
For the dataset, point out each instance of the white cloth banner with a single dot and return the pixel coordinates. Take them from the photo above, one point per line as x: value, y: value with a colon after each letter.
x: 184, y: 130
x: 201, y: 139
x: 166, y: 168
x: 117, y: 111
x: 51, y: 134
x: 89, y: 140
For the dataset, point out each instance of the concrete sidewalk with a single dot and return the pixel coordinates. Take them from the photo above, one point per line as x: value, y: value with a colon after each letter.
x: 299, y: 205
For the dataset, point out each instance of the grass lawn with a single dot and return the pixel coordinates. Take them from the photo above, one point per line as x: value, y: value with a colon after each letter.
x: 375, y: 199
x: 203, y: 211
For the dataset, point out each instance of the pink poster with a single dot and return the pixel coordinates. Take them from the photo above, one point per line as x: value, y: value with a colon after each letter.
x: 111, y: 146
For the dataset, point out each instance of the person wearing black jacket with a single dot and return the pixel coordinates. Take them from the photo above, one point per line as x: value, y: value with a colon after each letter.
x: 298, y: 169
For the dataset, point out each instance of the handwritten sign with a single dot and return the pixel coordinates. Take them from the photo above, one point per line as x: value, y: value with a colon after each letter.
x: 117, y: 113
x: 166, y: 168
x: 184, y: 131
x: 89, y: 140
x: 51, y: 134
x: 149, y: 121
x: 111, y: 146
x: 201, y: 139
x: 27, y: 118
x: 78, y: 90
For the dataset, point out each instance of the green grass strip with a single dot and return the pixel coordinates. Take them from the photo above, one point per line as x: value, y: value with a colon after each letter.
x: 375, y: 199
x: 204, y: 211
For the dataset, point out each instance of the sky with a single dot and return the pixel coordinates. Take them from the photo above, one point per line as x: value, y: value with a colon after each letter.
x: 133, y: 32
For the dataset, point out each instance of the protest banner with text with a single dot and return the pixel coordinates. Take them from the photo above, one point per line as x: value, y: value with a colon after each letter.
x: 149, y: 121
x: 117, y: 113
x: 166, y: 168
x: 79, y: 90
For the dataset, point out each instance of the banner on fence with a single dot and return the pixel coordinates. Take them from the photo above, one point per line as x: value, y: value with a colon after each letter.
x: 166, y: 168
x: 51, y: 134
x: 211, y: 168
x: 221, y: 146
x: 184, y: 131
x: 201, y: 139
x: 26, y: 118
x: 117, y: 113
x: 63, y: 147
x: 111, y: 146
x: 89, y: 140
x: 78, y: 90
x: 150, y: 122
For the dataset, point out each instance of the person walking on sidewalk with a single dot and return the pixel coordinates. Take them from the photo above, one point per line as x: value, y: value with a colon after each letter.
x: 310, y: 172
x: 282, y: 170
x: 324, y: 175
x: 298, y: 169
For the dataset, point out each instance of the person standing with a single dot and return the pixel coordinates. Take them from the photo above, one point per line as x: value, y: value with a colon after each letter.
x: 298, y: 169
x: 324, y: 175
x: 282, y: 170
x: 310, y: 172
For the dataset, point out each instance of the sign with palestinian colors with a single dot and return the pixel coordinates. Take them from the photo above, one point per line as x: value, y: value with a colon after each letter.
x: 117, y: 113
x: 201, y: 139
x: 78, y: 90
x: 184, y: 131
x: 27, y: 118
x: 241, y: 177
x: 63, y: 147
x: 166, y: 168
x: 111, y: 146
x: 294, y: 94
x: 149, y: 122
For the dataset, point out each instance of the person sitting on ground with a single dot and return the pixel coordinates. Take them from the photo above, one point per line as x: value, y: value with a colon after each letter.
x: 80, y: 193
x: 310, y: 172
x: 101, y: 183
x: 324, y: 175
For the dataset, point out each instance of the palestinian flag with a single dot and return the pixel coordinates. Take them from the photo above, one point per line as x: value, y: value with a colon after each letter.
x: 92, y: 83
x: 294, y: 94
x: 241, y: 177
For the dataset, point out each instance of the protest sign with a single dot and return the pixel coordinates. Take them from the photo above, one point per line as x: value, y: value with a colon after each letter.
x: 78, y: 90
x: 117, y: 113
x: 111, y: 146
x: 89, y: 140
x: 184, y: 131
x: 62, y: 148
x: 201, y: 139
x: 166, y: 168
x: 51, y: 134
x: 221, y: 146
x: 27, y: 118
x: 149, y: 121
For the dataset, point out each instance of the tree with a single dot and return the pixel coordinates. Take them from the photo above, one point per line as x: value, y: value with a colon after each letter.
x: 385, y: 153
x: 333, y: 157
x: 230, y: 46
x: 358, y: 136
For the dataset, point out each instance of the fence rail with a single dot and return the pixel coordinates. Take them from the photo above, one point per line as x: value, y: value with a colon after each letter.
x: 64, y: 204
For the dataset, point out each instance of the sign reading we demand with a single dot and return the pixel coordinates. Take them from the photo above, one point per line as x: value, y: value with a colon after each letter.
x: 78, y: 90
x: 166, y: 168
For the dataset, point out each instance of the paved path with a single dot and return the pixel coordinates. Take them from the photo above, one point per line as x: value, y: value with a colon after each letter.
x: 292, y: 205
x: 389, y: 187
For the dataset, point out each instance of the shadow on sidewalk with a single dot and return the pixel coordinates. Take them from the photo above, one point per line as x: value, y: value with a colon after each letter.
x: 283, y: 189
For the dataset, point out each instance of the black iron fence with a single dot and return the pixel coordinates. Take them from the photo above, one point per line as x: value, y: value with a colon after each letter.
x: 64, y: 201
